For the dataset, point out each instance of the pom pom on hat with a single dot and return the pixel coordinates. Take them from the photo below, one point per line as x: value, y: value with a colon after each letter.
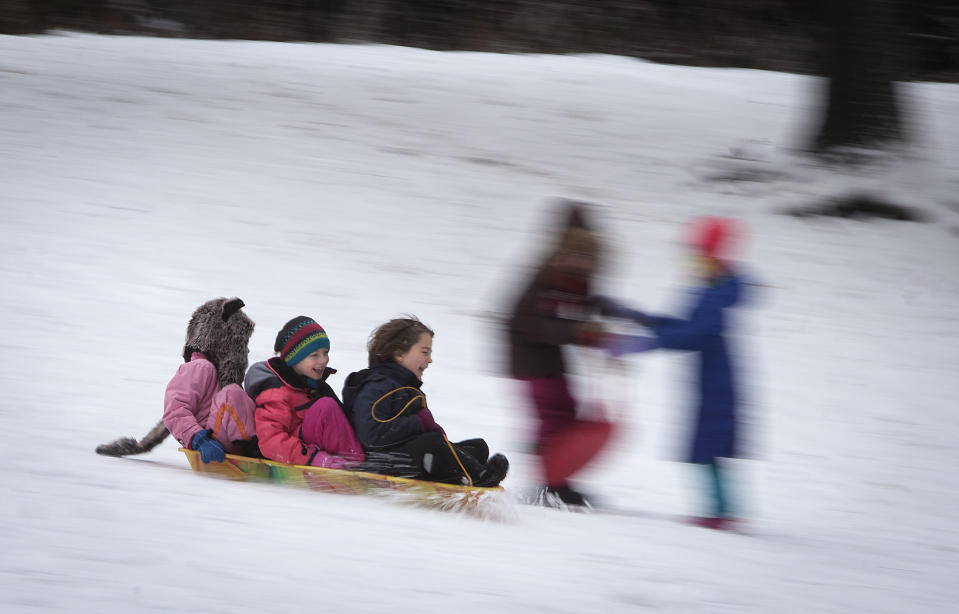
x: 299, y: 338
x: 712, y: 237
x: 576, y: 213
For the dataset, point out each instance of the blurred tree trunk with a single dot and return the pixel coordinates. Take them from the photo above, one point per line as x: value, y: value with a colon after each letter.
x: 864, y: 56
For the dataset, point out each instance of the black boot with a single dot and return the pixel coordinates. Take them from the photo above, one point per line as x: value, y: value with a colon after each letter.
x: 248, y: 447
x: 496, y: 469
x: 564, y: 496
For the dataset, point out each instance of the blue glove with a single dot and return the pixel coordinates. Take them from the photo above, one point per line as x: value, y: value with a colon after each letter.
x: 210, y: 449
x: 630, y: 344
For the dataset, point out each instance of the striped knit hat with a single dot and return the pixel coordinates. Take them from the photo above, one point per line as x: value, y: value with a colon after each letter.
x: 299, y: 338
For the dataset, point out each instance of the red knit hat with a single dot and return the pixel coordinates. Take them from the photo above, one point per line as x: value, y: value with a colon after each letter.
x: 712, y: 236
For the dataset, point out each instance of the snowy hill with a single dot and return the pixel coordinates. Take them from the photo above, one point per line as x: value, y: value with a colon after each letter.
x: 140, y: 177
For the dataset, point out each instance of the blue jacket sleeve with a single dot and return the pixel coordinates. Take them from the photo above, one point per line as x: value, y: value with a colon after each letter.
x: 705, y: 321
x: 381, y: 425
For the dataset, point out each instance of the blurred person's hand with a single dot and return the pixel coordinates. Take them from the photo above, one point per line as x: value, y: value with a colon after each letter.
x: 593, y: 334
x: 611, y: 307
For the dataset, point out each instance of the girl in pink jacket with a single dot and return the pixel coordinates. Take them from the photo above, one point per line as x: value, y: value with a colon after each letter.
x: 299, y: 418
x: 204, y: 406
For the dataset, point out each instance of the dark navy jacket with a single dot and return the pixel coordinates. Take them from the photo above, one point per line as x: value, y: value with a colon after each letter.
x: 375, y: 399
x: 703, y: 332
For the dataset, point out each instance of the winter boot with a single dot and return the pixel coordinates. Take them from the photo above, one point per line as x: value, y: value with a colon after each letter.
x: 723, y: 523
x: 496, y: 468
x: 248, y: 447
x: 564, y: 497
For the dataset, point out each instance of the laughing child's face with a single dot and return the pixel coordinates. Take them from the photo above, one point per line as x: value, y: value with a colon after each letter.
x: 312, y: 366
x: 419, y: 356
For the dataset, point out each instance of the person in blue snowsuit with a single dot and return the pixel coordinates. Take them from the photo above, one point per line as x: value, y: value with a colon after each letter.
x: 715, y: 434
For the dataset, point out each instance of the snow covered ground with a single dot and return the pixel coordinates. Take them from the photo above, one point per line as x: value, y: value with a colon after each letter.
x: 140, y: 177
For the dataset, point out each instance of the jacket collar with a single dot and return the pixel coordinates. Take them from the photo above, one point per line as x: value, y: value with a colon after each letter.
x: 397, y: 372
x: 290, y: 377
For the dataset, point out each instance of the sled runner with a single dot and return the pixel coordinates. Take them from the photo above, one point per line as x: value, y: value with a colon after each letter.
x: 475, y: 500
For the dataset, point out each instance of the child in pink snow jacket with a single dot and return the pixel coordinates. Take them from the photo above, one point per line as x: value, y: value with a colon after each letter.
x: 204, y: 406
x: 299, y: 418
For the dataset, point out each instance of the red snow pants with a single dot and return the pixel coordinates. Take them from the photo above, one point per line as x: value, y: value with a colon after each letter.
x: 565, y: 444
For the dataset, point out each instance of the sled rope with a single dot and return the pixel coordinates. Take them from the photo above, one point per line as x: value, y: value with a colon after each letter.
x: 405, y: 407
x: 458, y: 461
x: 219, y: 419
x: 399, y: 413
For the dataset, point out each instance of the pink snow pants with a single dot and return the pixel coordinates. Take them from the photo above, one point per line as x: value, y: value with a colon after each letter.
x: 231, y: 416
x: 325, y: 425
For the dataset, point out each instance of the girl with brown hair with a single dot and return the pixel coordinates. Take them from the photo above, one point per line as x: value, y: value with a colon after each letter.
x: 393, y: 421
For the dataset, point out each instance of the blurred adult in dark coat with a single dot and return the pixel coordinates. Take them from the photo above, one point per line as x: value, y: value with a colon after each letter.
x: 554, y: 310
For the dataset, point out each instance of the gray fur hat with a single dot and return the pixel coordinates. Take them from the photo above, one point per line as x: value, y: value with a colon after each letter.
x: 221, y: 331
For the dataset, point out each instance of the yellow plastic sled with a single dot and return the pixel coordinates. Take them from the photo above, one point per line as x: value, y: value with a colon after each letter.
x: 452, y: 497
